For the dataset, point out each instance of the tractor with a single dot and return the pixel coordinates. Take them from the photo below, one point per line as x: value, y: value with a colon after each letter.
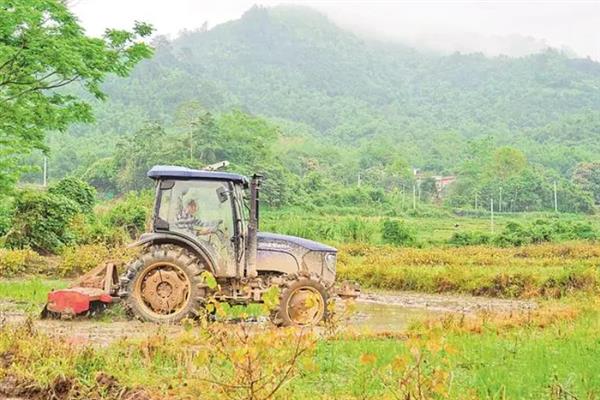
x: 206, y: 222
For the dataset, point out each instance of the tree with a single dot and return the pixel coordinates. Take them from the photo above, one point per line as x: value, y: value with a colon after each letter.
x: 199, y: 132
x: 135, y: 155
x: 507, y: 162
x: 43, y: 49
x: 587, y: 177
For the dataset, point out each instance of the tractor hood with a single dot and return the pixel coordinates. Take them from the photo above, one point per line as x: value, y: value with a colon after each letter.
x: 275, y: 241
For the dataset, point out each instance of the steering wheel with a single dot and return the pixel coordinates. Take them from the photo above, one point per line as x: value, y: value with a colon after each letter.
x: 215, y: 229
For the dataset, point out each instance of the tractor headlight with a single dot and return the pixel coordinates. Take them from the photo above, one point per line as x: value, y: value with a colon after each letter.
x: 330, y: 261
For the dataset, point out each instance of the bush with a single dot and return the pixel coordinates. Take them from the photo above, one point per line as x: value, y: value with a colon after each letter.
x: 78, y: 191
x: 544, y: 230
x: 358, y: 230
x: 89, y: 229
x: 6, y: 212
x: 80, y: 259
x: 515, y: 235
x: 469, y: 238
x: 397, y: 232
x: 18, y: 262
x: 41, y: 221
x: 130, y: 213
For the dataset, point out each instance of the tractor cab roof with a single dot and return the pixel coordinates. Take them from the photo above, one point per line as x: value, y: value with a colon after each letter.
x: 176, y: 172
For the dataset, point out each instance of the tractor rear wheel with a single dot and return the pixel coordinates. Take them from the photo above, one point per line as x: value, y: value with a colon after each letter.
x: 164, y: 285
x: 303, y: 303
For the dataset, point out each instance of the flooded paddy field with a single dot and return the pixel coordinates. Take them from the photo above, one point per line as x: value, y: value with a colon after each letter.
x: 373, y: 312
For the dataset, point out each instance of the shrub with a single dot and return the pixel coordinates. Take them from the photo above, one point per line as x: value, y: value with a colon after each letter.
x: 77, y: 260
x: 397, y: 232
x: 514, y: 235
x: 89, y: 229
x: 41, y: 221
x: 130, y: 213
x: 17, y: 262
x: 6, y: 211
x: 544, y: 230
x: 76, y: 190
x: 469, y: 238
x: 358, y: 230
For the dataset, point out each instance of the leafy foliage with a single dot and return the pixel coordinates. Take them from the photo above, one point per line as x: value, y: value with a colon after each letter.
x: 42, y: 49
x: 19, y: 262
x: 41, y: 221
x: 131, y: 213
x: 6, y: 211
x: 397, y: 232
x: 328, y: 126
x: 76, y: 190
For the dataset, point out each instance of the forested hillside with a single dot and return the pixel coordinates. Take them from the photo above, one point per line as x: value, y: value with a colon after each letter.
x: 335, y: 106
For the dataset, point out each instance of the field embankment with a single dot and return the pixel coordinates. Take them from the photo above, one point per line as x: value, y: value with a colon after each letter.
x: 549, y: 270
x: 545, y: 270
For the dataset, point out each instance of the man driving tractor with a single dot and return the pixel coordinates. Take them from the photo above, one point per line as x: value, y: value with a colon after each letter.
x: 186, y: 219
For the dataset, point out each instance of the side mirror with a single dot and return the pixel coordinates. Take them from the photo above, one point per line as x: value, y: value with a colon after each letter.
x: 222, y: 194
x: 166, y: 184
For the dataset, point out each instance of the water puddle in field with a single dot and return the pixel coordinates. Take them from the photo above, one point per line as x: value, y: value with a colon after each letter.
x: 385, y: 317
x: 379, y: 312
x: 395, y: 311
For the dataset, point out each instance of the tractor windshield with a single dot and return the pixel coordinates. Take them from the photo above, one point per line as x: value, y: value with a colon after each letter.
x: 203, y: 211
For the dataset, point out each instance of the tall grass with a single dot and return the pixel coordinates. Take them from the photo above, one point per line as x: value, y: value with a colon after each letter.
x: 549, y: 270
x: 444, y: 230
x: 540, y: 355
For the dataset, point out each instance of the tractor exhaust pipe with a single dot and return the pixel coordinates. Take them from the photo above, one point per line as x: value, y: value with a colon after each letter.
x: 252, y: 246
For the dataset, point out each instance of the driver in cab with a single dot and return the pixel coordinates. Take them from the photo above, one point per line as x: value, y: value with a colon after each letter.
x: 186, y: 219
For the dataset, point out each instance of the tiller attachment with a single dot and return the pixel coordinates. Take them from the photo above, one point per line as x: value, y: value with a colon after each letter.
x: 91, y: 293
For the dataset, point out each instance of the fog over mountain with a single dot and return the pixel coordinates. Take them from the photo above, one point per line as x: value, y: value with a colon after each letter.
x: 493, y: 28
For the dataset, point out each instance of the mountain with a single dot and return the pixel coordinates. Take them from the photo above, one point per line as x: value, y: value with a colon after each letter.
x: 293, y: 65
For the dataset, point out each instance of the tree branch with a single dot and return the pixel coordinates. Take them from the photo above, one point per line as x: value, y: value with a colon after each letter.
x: 48, y: 87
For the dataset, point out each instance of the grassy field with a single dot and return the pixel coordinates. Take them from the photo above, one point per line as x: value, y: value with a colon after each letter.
x: 551, y: 353
x: 28, y: 294
x: 547, y: 270
x: 430, y: 231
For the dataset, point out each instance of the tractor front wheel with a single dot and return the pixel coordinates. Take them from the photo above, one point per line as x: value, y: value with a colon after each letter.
x: 302, y: 303
x: 164, y: 284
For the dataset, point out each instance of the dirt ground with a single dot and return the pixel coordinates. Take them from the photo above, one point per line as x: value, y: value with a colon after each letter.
x: 373, y: 312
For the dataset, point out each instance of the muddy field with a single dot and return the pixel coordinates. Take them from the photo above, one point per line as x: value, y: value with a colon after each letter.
x: 375, y: 312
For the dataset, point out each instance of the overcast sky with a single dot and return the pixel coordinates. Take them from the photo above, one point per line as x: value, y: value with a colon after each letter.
x: 507, y: 27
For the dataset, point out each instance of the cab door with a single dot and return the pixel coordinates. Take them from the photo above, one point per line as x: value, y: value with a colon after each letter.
x: 203, y: 211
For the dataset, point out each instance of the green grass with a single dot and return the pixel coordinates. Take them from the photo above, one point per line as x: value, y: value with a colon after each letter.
x: 526, y: 362
x: 429, y: 231
x: 519, y: 364
x: 29, y: 293
x: 523, y: 362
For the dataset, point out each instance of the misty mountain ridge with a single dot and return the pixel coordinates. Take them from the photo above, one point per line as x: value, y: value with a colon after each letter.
x: 291, y: 63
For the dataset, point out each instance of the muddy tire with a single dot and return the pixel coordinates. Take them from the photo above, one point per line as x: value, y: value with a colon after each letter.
x: 303, y: 302
x: 163, y: 285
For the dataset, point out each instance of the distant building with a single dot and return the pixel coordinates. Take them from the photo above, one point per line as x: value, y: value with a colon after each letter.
x: 441, y: 181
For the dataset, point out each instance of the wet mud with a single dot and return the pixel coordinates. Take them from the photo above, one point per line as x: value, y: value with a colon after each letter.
x: 372, y: 312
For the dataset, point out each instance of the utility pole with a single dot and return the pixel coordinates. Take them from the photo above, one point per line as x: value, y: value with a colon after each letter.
x: 414, y: 197
x: 492, y: 214
x: 191, y: 146
x: 500, y: 204
x: 358, y: 180
x: 45, y: 179
x: 555, y: 199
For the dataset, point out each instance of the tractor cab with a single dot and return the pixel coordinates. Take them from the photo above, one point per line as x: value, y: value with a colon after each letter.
x: 206, y: 211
